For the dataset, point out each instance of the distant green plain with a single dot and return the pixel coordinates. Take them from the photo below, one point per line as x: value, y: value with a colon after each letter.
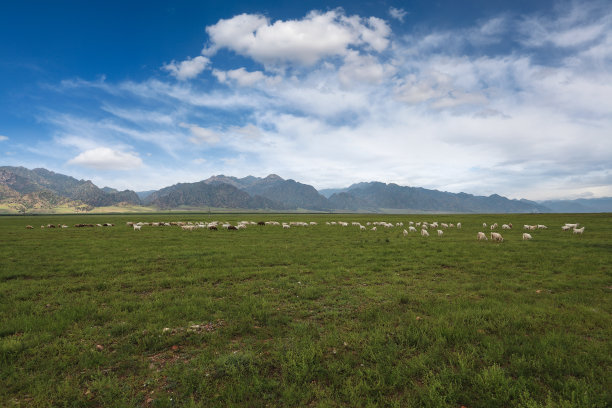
x: 323, y: 315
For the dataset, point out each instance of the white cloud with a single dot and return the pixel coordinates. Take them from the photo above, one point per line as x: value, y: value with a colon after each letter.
x: 104, y: 158
x: 303, y: 42
x: 188, y: 69
x: 3, y: 138
x: 201, y: 135
x: 397, y: 13
x: 240, y: 75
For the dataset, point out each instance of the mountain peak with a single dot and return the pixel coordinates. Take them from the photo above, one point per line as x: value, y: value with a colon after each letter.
x: 273, y: 177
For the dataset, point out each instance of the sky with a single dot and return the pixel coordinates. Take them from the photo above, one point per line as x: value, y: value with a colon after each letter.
x: 507, y: 97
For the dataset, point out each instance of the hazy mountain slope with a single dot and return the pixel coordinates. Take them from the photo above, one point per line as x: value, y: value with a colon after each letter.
x: 581, y: 205
x: 290, y: 193
x: 393, y: 196
x: 203, y: 194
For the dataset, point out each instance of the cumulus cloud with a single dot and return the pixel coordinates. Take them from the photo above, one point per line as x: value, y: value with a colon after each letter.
x: 397, y: 13
x: 105, y: 158
x: 188, y: 69
x: 303, y: 42
x: 3, y: 138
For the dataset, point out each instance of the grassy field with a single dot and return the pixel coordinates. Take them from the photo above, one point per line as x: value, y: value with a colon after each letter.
x: 323, y: 315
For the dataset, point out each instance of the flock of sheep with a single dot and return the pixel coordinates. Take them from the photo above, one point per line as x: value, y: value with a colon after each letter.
x: 371, y: 226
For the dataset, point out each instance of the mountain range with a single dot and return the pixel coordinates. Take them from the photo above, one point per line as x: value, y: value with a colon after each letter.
x: 39, y: 190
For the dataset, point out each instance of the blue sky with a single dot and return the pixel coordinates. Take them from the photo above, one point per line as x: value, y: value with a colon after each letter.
x: 507, y: 97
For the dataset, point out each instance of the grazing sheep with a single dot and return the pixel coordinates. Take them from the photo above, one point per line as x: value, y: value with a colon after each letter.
x: 540, y: 226
x: 440, y: 233
x: 29, y: 227
x: 424, y: 233
x: 373, y: 229
x: 411, y: 229
x: 481, y: 236
x: 362, y: 228
x: 566, y: 228
x: 526, y: 227
x: 484, y: 225
x: 506, y: 226
x: 578, y: 230
x: 212, y: 227
x: 526, y: 236
x: 137, y: 227
x: 496, y: 237
x: 286, y: 226
x: 444, y: 225
x: 458, y: 225
x: 405, y: 233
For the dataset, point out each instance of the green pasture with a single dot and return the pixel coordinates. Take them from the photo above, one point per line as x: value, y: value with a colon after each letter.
x: 318, y: 316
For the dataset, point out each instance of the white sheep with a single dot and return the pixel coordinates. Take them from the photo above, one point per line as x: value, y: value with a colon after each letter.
x: 362, y: 228
x: 496, y: 237
x: 137, y: 227
x: 444, y: 225
x: 484, y: 225
x: 578, y: 230
x: 405, y: 233
x: 540, y: 226
x: 506, y: 226
x: 458, y: 225
x: 566, y: 228
x: 411, y: 229
x: 424, y: 233
x: 373, y: 229
x: 440, y: 233
x: 481, y: 236
x: 526, y: 236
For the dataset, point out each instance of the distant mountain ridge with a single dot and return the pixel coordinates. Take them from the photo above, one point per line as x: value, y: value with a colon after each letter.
x: 43, y: 189
x: 392, y: 196
x: 25, y: 181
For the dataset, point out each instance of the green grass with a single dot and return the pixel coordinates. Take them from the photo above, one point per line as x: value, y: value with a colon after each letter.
x: 310, y: 316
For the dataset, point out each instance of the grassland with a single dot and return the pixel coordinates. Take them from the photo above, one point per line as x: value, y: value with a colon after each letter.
x: 312, y: 316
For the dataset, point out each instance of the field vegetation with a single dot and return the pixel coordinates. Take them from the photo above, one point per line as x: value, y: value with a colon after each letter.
x: 322, y: 315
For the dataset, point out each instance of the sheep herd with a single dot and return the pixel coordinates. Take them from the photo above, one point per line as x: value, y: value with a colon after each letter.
x: 412, y: 227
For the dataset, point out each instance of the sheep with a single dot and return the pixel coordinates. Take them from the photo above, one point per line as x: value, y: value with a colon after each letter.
x: 496, y: 237
x: 444, y: 225
x: 566, y: 228
x: 212, y: 227
x: 572, y: 225
x: 484, y: 225
x: 458, y: 225
x: 526, y: 236
x: 373, y: 229
x: 481, y: 236
x: 493, y: 226
x: 540, y: 226
x: 286, y: 226
x: 405, y: 233
x: 526, y: 227
x: 362, y: 228
x: 440, y: 233
x: 506, y: 226
x: 137, y: 227
x: 29, y: 227
x: 424, y: 233
x: 578, y: 230
x: 411, y: 229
